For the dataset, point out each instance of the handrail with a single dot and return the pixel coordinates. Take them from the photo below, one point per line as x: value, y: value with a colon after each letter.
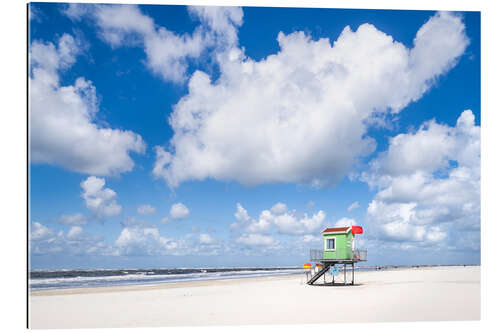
x: 357, y: 254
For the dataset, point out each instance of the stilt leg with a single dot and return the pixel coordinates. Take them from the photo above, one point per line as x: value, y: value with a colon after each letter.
x: 353, y: 274
x: 344, y: 275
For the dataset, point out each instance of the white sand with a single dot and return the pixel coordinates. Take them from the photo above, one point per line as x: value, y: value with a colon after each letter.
x: 438, y: 293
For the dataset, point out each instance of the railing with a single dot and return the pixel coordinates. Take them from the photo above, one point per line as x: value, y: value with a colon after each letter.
x: 315, y: 255
x: 359, y: 255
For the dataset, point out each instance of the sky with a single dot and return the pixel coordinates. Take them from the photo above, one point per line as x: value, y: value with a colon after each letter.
x: 174, y: 136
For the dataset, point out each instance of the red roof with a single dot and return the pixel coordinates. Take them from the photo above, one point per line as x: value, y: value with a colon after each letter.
x: 335, y: 230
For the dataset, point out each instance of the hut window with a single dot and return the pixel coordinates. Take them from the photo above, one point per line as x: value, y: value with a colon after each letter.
x: 330, y: 244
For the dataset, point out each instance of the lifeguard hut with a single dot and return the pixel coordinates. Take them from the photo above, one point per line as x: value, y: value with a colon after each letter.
x: 338, y: 249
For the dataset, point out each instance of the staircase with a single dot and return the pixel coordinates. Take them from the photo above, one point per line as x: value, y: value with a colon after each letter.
x: 319, y: 274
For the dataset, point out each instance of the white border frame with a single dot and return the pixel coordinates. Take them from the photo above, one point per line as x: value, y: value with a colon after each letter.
x: 325, y: 243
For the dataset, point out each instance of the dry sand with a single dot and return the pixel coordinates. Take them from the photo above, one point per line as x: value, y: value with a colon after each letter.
x: 437, y: 293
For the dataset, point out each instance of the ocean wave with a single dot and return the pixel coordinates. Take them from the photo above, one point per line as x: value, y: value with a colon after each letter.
x: 65, y: 280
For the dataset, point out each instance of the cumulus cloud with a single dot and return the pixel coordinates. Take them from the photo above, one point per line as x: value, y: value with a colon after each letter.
x: 252, y: 240
x: 277, y: 119
x: 75, y: 241
x: 279, y: 208
x: 136, y: 238
x: 76, y: 11
x: 146, y: 209
x: 132, y: 222
x: 39, y: 231
x: 221, y: 21
x: 75, y: 232
x: 311, y: 238
x: 290, y: 224
x: 204, y: 244
x: 428, y: 185
x: 353, y: 206
x: 279, y: 218
x: 141, y: 239
x: 62, y: 119
x: 206, y: 239
x: 245, y: 224
x: 178, y: 211
x: 271, y: 229
x: 35, y: 14
x: 167, y: 53
x: 344, y: 222
x: 146, y: 241
x: 75, y: 219
x: 98, y: 199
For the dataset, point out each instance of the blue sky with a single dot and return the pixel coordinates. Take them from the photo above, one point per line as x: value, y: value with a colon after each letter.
x: 168, y: 136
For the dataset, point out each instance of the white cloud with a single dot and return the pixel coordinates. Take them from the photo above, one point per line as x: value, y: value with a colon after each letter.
x: 221, y: 20
x: 75, y: 219
x: 98, y: 199
x: 39, y: 231
x: 75, y: 232
x: 143, y: 240
x: 206, y: 239
x: 35, y: 14
x: 146, y: 209
x: 311, y: 238
x: 257, y: 240
x: 75, y: 11
x: 431, y: 138
x: 62, y: 119
x: 290, y: 224
x: 167, y: 52
x: 132, y: 222
x: 245, y: 224
x: 76, y: 241
x: 353, y: 206
x: 279, y: 208
x: 276, y: 120
x: 146, y: 241
x: 136, y: 238
x: 283, y: 220
x: 344, y: 222
x: 429, y: 186
x: 178, y: 211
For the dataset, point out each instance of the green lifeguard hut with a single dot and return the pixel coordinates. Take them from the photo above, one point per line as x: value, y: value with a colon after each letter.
x: 338, y: 243
x: 338, y: 248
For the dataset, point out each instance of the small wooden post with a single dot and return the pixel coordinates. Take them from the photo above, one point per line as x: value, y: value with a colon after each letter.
x: 353, y: 274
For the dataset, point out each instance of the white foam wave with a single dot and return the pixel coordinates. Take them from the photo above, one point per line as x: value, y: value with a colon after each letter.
x: 144, y: 278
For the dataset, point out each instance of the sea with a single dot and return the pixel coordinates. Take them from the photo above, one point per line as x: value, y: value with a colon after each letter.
x: 89, y: 278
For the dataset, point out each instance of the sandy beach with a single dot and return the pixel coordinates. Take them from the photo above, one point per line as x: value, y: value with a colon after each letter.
x: 414, y: 294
